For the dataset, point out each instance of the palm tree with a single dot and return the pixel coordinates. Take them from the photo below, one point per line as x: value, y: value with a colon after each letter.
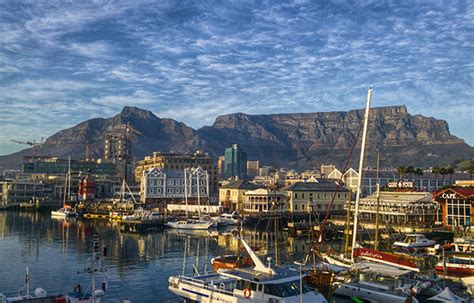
x: 450, y: 172
x: 411, y: 171
x: 402, y: 170
x: 470, y: 170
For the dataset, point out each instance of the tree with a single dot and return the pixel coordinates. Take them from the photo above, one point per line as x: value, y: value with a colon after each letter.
x: 402, y: 170
x: 470, y: 170
x: 450, y: 172
x: 418, y: 172
x: 410, y: 171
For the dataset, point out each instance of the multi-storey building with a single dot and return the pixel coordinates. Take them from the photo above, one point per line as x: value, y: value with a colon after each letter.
x: 253, y: 168
x: 15, y: 192
x: 326, y: 169
x: 316, y: 195
x: 165, y: 185
x: 220, y: 165
x: 178, y: 162
x: 115, y: 146
x: 235, y: 162
x: 231, y: 195
x: 53, y: 165
x: 263, y: 200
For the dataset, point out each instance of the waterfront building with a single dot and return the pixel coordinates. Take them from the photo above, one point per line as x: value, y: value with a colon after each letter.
x: 426, y: 182
x: 315, y: 195
x: 178, y: 162
x: 400, y: 208
x: 263, y: 200
x: 54, y: 165
x: 326, y: 169
x: 457, y: 204
x: 231, y: 195
x: 220, y: 165
x: 253, y: 168
x: 235, y: 162
x: 165, y: 185
x: 265, y: 171
x: 15, y: 192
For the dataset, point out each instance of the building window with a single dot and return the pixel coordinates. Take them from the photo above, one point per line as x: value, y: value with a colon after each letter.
x: 296, y: 206
x: 296, y: 196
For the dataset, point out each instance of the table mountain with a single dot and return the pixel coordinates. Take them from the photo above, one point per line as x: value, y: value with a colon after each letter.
x: 299, y: 140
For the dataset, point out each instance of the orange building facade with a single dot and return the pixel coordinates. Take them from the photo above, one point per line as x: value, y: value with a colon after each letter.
x: 457, y: 205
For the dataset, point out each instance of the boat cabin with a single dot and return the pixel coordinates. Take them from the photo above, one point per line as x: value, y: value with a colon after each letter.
x: 415, y: 241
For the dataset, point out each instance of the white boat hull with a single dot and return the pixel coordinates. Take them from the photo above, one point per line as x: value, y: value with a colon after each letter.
x: 351, y: 290
x: 190, y: 225
x: 212, y: 293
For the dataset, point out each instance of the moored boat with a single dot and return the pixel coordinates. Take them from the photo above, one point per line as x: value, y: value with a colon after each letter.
x: 230, y: 262
x: 259, y: 284
x: 414, y: 242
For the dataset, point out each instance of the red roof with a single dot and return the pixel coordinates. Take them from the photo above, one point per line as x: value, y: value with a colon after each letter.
x: 462, y: 191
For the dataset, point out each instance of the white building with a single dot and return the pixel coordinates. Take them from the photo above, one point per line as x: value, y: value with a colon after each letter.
x: 263, y: 200
x: 159, y: 183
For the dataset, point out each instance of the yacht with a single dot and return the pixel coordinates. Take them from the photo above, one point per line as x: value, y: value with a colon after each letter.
x: 64, y: 212
x: 379, y: 283
x: 190, y: 224
x: 414, y: 241
x: 259, y: 284
x: 228, y: 219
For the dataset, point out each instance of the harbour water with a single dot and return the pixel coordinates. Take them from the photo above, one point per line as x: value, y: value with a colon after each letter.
x: 138, y: 266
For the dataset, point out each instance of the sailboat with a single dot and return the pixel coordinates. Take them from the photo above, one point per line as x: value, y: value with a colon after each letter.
x: 200, y: 223
x: 66, y: 211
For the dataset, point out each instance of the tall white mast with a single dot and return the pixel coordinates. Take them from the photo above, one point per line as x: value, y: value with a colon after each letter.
x: 199, y: 195
x: 361, y: 164
x: 186, y: 192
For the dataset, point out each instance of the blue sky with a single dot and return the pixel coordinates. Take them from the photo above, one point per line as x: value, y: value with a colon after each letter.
x: 65, y: 62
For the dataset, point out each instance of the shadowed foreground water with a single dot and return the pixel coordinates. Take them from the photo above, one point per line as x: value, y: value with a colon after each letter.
x: 138, y: 266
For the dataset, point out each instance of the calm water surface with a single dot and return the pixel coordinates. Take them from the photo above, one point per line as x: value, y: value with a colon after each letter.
x: 138, y: 266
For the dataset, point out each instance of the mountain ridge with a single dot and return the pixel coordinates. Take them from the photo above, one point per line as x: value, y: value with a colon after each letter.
x: 298, y: 140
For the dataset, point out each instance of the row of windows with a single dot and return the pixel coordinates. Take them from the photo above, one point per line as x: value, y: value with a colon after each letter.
x: 319, y: 195
x: 172, y: 182
x: 174, y: 190
x: 459, y: 212
x: 304, y: 207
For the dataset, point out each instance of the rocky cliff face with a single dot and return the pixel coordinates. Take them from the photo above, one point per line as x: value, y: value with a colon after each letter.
x: 300, y: 140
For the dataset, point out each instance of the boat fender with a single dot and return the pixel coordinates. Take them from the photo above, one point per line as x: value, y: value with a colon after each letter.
x: 247, y: 293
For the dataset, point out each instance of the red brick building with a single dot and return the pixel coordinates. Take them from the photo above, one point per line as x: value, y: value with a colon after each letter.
x: 457, y: 205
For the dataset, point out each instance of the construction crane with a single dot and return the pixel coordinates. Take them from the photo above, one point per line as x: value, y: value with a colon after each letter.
x: 32, y: 144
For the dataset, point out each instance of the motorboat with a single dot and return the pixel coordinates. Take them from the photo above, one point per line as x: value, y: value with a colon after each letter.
x: 414, y: 241
x: 375, y: 282
x: 190, y: 224
x: 64, y: 212
x: 39, y: 294
x: 456, y: 264
x: 258, y: 284
x: 228, y: 219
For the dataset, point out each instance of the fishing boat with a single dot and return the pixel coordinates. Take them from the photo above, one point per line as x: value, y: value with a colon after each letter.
x: 91, y: 294
x: 188, y: 223
x: 259, y: 284
x: 414, y: 242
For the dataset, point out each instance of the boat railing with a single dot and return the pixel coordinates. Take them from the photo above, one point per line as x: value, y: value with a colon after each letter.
x: 205, y: 284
